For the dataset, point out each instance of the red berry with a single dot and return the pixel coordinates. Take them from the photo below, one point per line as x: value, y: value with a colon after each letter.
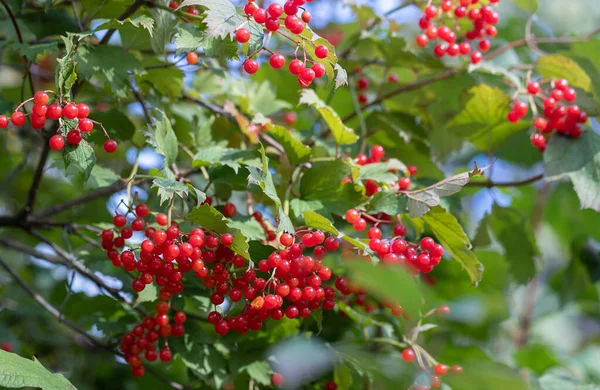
x: 443, y: 311
x: 18, y: 118
x: 40, y: 110
x: 321, y: 51
x: 249, y: 9
x: 242, y: 35
x: 165, y: 355
x: 520, y: 108
x: 272, y: 25
x: 404, y: 183
x: 57, y: 142
x: 260, y: 16
x: 70, y: 111
x: 570, y: 94
x: 319, y: 70
x: 306, y: 16
x: 307, y: 75
x: 456, y: 370
x: 440, y: 369
x: 561, y: 84
x: 41, y: 98
x: 229, y: 210
x: 557, y: 95
x: 431, y: 11
x: 54, y: 112
x: 484, y: 45
x: 227, y: 239
x: 464, y: 48
x: 277, y: 61
x: 439, y: 50
x: 377, y: 153
x: 540, y: 123
x: 222, y: 328
x: 296, y: 66
x: 408, y: 355
x: 422, y: 40
x: 191, y: 58
x: 82, y: 110
x: 277, y: 379
x: 74, y: 137
x: 110, y: 146
x: 360, y: 225
x: 3, y: 121
x: 476, y: 57
x: 251, y: 66
x: 352, y: 216
x: 533, y: 87
x: 85, y: 125
x: 275, y: 10
x: 538, y: 140
x: 162, y: 219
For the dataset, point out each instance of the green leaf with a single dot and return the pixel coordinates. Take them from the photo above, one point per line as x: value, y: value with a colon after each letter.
x: 530, y: 6
x: 165, y: 23
x: 148, y: 294
x: 117, y: 125
x: 490, y: 376
x: 234, y: 158
x: 578, y: 159
x: 257, y: 36
x: 453, y: 238
x: 221, y: 18
x: 141, y: 21
x: 111, y: 64
x: 392, y: 284
x: 32, y: 51
x: 209, y: 218
x: 101, y: 177
x: 199, y: 195
x: 189, y: 38
x: 317, y: 221
x: 295, y: 150
x: 420, y: 201
x: 259, y: 370
x: 80, y: 157
x: 514, y: 232
x: 380, y: 172
x: 263, y: 178
x: 343, y: 135
x: 160, y: 134
x: 482, y: 121
x: 19, y: 372
x: 557, y: 66
x: 168, y: 188
x: 536, y: 357
x: 261, y: 99
x: 342, y: 375
x: 65, y: 75
x: 167, y: 81
x: 389, y: 202
x: 249, y: 227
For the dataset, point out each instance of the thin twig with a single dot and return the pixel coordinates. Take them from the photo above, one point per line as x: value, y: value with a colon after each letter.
x: 516, y: 183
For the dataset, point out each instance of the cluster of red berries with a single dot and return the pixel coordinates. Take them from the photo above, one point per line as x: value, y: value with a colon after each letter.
x: 438, y: 371
x: 145, y: 336
x: 565, y: 119
x: 42, y: 111
x: 482, y: 17
x: 422, y: 257
x: 377, y: 154
x: 272, y: 19
x: 363, y: 84
x: 292, y: 285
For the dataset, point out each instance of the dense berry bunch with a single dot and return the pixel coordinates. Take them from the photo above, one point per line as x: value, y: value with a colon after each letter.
x: 292, y: 18
x: 434, y: 25
x: 79, y: 125
x: 146, y: 336
x: 564, y: 119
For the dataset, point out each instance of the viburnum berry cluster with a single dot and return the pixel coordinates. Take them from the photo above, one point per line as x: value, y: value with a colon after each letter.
x: 563, y: 119
x: 377, y: 154
x: 284, y: 20
x: 79, y: 125
x: 437, y: 371
x: 434, y: 25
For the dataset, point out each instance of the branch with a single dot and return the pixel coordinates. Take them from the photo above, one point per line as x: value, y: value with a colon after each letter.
x: 60, y: 207
x: 20, y: 38
x: 72, y: 262
x: 51, y: 309
x: 37, y: 178
x: 489, y: 183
